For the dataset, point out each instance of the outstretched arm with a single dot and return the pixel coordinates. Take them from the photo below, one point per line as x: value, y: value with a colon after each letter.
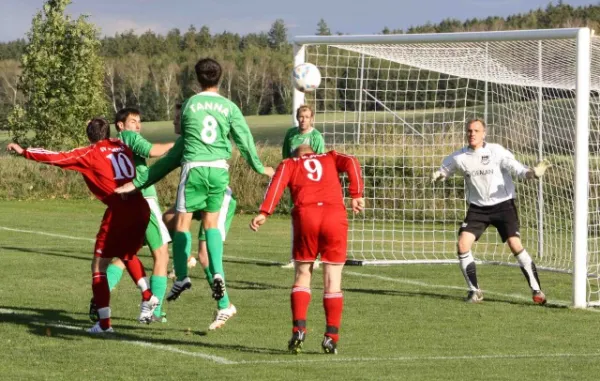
x: 447, y: 169
x: 240, y: 132
x: 162, y: 167
x: 76, y: 159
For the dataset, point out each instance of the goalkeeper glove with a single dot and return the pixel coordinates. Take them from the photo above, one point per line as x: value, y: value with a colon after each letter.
x: 437, y: 176
x: 540, y: 168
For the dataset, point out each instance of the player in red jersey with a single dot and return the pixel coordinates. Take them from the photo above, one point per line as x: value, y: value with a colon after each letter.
x: 105, y: 165
x: 320, y: 227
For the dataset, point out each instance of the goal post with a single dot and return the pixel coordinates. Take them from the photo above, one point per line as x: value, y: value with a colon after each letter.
x: 399, y: 103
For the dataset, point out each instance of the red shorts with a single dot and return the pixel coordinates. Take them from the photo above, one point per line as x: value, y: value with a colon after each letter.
x: 320, y: 230
x: 123, y: 230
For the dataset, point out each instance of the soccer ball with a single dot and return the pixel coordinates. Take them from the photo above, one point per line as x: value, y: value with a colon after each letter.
x: 307, y: 77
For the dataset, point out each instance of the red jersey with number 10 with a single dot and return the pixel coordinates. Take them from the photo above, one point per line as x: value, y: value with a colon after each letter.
x: 104, y: 165
x: 314, y: 181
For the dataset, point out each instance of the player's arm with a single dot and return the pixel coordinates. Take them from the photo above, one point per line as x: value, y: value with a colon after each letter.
x: 240, y: 132
x: 162, y: 167
x: 142, y: 147
x: 274, y: 192
x: 159, y: 149
x: 76, y: 159
x: 509, y: 163
x: 447, y: 169
x: 356, y: 188
x: 318, y: 143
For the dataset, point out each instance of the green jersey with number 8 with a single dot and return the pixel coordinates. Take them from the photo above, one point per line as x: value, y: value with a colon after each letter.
x: 207, y: 121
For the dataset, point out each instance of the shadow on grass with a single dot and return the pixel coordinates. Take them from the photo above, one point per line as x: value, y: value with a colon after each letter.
x: 50, y: 253
x: 58, y: 324
x: 247, y: 285
x: 489, y: 298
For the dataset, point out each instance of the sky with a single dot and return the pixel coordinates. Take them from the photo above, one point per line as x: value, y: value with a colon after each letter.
x: 253, y: 16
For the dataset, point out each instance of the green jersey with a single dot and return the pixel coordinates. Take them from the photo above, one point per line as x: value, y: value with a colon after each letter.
x: 141, y: 151
x: 207, y: 121
x: 162, y: 167
x: 293, y: 138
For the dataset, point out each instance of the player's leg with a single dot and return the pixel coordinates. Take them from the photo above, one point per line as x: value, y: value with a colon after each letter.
x: 470, y: 230
x: 191, y: 196
x: 114, y: 273
x: 101, y: 293
x: 218, y: 181
x: 333, y: 242
x: 305, y: 249
x: 225, y: 309
x: 507, y: 223
x: 158, y: 238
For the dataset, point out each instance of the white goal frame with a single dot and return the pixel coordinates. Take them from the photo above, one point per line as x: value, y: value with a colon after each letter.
x: 582, y: 36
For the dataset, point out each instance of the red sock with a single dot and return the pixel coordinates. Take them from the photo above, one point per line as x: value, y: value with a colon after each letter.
x: 300, y: 299
x: 333, y: 304
x: 136, y: 271
x: 101, y: 295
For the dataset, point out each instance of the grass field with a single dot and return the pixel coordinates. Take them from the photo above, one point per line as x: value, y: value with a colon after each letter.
x: 402, y: 322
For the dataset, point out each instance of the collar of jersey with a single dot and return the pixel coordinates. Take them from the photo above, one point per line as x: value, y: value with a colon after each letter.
x: 209, y: 93
x: 473, y: 150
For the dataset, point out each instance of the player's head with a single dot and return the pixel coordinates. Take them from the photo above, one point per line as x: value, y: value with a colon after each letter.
x: 177, y: 119
x: 303, y: 149
x: 305, y: 117
x: 208, y: 73
x: 128, y: 119
x: 475, y: 133
x: 98, y: 129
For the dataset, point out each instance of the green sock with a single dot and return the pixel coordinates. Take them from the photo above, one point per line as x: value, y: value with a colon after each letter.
x: 214, y: 244
x: 208, y: 275
x: 182, y: 248
x: 158, y: 286
x: 223, y: 302
x: 113, y: 275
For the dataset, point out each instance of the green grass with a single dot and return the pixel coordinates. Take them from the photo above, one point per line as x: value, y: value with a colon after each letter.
x: 400, y: 322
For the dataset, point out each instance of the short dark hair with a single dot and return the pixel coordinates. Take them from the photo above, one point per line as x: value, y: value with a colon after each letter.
x: 208, y: 72
x: 123, y: 114
x: 474, y: 120
x: 98, y: 129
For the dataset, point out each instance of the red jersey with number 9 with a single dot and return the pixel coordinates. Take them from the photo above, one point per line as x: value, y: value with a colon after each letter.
x: 314, y: 180
x: 104, y: 165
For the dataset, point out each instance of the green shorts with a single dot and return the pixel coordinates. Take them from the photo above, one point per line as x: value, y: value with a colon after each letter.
x: 157, y: 233
x: 202, y: 187
x: 225, y: 216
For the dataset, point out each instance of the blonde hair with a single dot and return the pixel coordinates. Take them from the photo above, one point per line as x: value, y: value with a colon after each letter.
x: 304, y: 108
x: 475, y: 120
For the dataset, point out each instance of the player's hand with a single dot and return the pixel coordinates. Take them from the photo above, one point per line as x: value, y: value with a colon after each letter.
x: 269, y: 171
x: 358, y: 205
x: 15, y: 148
x: 540, y: 168
x: 126, y: 188
x: 437, y: 176
x: 257, y: 221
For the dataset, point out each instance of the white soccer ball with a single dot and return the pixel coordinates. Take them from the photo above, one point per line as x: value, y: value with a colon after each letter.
x: 191, y: 262
x: 307, y: 77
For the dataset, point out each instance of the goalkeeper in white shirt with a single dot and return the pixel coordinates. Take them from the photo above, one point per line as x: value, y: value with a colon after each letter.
x: 490, y: 193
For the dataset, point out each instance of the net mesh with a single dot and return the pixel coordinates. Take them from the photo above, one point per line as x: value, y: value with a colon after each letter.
x: 401, y: 108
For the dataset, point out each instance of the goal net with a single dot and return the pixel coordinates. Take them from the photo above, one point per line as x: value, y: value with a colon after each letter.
x: 399, y: 103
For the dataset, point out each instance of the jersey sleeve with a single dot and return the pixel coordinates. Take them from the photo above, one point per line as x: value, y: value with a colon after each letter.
x: 350, y: 165
x: 162, y: 167
x: 449, y: 166
x: 510, y: 164
x: 285, y: 149
x: 78, y: 159
x: 276, y: 187
x: 240, y: 132
x: 138, y: 144
x: 317, y: 143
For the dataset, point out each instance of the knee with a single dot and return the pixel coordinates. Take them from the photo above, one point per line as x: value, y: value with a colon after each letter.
x: 463, y: 247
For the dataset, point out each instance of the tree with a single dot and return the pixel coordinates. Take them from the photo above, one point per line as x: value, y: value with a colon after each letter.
x: 278, y: 35
x: 9, y: 81
x: 62, y: 79
x: 323, y: 29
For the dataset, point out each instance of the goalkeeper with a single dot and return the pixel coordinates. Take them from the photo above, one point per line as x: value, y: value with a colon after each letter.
x: 490, y: 194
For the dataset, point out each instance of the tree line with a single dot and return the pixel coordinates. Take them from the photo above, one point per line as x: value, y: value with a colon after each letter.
x: 153, y: 71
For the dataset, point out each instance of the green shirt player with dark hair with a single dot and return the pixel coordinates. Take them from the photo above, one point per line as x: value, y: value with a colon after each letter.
x: 304, y: 134
x: 208, y: 120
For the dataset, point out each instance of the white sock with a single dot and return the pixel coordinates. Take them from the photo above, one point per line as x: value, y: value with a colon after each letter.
x: 529, y: 270
x: 467, y: 266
